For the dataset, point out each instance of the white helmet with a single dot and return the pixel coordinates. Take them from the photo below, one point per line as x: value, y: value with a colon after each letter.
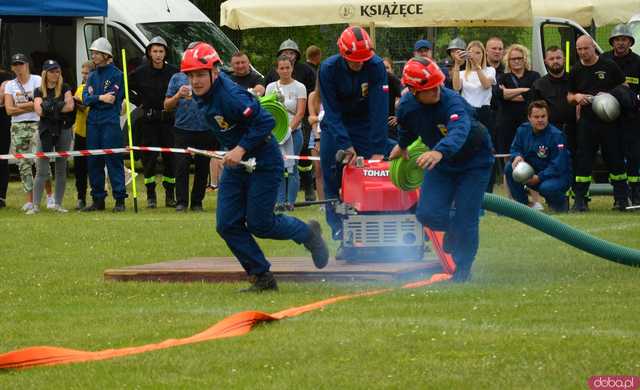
x: 606, y: 107
x: 101, y: 45
x: 523, y: 172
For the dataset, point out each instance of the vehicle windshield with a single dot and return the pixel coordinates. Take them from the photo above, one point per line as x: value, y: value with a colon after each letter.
x: 635, y: 31
x: 180, y: 34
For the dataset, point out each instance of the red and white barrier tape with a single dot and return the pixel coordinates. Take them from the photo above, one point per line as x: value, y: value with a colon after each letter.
x: 92, y: 152
x: 100, y: 152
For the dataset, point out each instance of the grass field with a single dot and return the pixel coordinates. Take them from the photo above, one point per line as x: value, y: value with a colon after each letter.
x: 538, y: 314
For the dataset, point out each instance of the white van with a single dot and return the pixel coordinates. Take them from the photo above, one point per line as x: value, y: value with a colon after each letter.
x: 130, y: 25
x: 551, y: 31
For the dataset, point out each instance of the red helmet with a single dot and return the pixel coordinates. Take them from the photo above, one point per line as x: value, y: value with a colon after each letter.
x: 422, y: 74
x: 355, y: 44
x: 199, y: 55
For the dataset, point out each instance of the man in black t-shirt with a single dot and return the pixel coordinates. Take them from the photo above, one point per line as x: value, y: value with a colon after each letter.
x: 148, y: 85
x: 244, y: 76
x: 591, y: 75
x: 621, y: 41
x: 553, y: 89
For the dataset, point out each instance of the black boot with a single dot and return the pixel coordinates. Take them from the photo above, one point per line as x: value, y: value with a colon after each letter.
x: 262, y: 282
x: 119, y: 207
x: 170, y: 197
x: 462, y: 273
x: 580, y: 203
x: 152, y: 203
x: 316, y: 245
x: 96, y: 205
x: 635, y: 193
x: 620, y: 195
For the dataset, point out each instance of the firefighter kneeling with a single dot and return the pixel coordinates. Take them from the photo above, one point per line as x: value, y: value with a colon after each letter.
x: 542, y: 146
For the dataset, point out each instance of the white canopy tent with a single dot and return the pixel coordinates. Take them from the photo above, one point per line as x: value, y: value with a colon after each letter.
x: 602, y: 12
x: 245, y: 14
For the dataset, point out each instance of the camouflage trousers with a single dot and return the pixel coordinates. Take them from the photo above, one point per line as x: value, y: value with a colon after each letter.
x: 23, y: 135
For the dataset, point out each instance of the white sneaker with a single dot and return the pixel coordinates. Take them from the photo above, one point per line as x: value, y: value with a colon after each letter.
x: 537, y: 206
x: 27, y: 206
x: 33, y: 210
x: 59, y: 209
x: 51, y: 202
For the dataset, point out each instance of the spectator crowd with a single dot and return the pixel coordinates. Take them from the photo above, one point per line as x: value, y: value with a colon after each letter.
x: 547, y: 122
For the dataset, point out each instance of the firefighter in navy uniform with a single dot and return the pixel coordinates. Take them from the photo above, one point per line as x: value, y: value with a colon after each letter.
x: 457, y: 166
x: 246, y: 200
x: 591, y: 75
x: 104, y: 93
x: 148, y: 84
x: 541, y: 145
x: 621, y: 41
x: 355, y: 98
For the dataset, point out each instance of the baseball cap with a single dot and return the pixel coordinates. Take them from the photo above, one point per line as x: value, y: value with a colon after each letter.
x: 19, y: 58
x: 422, y: 44
x: 50, y: 65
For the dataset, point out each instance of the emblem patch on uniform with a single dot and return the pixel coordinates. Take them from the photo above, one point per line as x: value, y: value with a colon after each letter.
x: 601, y: 74
x: 385, y: 88
x: 560, y: 146
x: 247, y: 112
x: 543, y: 151
x: 106, y: 85
x: 454, y: 117
x: 365, y: 89
x: 222, y: 123
x: 90, y: 90
x: 443, y: 129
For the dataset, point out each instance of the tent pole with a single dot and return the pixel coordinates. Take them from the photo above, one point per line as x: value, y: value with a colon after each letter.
x: 372, y: 32
x: 104, y: 28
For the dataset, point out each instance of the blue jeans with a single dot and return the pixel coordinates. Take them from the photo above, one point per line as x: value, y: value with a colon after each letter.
x: 245, y: 209
x: 444, y: 188
x: 293, y: 177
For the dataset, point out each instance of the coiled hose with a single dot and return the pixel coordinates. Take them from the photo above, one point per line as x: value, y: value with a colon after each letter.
x: 270, y: 103
x: 406, y: 174
x: 521, y: 213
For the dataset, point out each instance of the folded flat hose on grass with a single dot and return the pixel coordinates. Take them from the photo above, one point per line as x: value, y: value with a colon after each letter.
x: 521, y: 213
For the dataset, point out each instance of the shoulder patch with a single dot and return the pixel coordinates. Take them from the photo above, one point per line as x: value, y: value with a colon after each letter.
x: 454, y: 117
x: 385, y: 88
x: 247, y: 112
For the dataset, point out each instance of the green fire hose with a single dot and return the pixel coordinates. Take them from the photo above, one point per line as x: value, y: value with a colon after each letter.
x: 406, y: 174
x: 521, y: 213
x: 270, y: 103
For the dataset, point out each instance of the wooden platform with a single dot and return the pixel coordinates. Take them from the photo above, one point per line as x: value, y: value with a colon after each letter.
x: 227, y: 269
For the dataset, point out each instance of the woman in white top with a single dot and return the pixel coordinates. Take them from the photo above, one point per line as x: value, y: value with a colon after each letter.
x: 18, y: 101
x: 294, y: 94
x: 476, y: 81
